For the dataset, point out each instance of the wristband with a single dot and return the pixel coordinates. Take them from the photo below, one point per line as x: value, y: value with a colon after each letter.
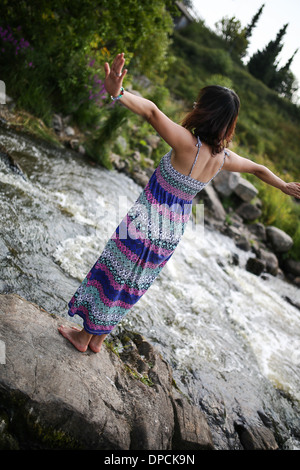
x: 119, y: 96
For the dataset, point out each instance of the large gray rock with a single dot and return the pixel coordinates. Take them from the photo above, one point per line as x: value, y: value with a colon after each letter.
x: 256, y: 438
x: 245, y: 190
x: 248, y: 211
x: 281, y: 242
x: 225, y: 182
x: 291, y: 266
x: 54, y: 397
x: 270, y: 260
x: 212, y: 204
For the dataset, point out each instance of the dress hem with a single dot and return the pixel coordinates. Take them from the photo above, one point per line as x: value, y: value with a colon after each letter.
x: 86, y: 328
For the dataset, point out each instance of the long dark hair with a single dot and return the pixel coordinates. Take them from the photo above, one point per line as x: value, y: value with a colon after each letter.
x: 214, y: 116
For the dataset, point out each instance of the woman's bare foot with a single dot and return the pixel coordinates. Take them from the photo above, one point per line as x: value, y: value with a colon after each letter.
x: 96, y: 342
x: 79, y: 338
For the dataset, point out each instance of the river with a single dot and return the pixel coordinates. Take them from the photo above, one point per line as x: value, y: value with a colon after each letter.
x: 231, y: 337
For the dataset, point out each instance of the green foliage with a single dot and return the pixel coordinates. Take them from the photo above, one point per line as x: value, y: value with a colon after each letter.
x: 230, y: 29
x: 98, y: 146
x: 279, y: 209
x: 67, y: 43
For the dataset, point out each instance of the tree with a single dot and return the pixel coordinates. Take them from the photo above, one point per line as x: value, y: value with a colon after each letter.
x: 252, y: 25
x: 284, y: 81
x: 262, y: 64
x: 230, y: 29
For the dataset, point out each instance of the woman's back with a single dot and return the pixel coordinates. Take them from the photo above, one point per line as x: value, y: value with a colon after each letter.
x: 197, y: 161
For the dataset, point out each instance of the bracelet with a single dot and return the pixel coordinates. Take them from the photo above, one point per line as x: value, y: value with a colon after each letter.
x: 120, y: 95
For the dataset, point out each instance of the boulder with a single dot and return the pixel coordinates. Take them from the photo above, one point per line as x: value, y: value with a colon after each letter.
x: 140, y: 177
x: 248, y: 211
x: 54, y: 397
x: 212, y: 204
x: 258, y: 229
x: 243, y: 243
x: 256, y: 437
x: 245, y: 190
x: 280, y: 241
x: 225, y: 182
x: 117, y: 161
x: 270, y: 260
x: 291, y: 266
x: 69, y: 131
x: 255, y: 266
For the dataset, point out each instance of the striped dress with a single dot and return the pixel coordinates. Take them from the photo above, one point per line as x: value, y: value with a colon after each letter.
x: 138, y: 250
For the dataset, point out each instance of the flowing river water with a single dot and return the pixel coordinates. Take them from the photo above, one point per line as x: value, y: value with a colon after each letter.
x: 232, y: 338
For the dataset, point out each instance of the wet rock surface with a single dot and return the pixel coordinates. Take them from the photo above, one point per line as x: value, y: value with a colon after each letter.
x: 53, y: 397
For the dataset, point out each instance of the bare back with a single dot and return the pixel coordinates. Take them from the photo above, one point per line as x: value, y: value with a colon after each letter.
x: 197, y: 161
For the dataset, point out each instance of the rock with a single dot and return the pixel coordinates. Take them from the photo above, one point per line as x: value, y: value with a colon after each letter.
x: 191, y: 426
x: 69, y: 131
x: 140, y: 177
x: 296, y: 281
x: 248, y: 211
x: 243, y: 243
x: 236, y: 220
x: 245, y: 190
x: 153, y: 141
x: 292, y: 302
x: 57, y: 123
x: 256, y: 437
x: 11, y: 163
x: 116, y: 160
x: 225, y: 182
x: 74, y: 144
x: 212, y: 204
x: 81, y: 150
x: 255, y: 266
x: 279, y: 240
x: 270, y: 260
x: 259, y: 230
x: 137, y: 156
x: 53, y: 397
x: 291, y: 266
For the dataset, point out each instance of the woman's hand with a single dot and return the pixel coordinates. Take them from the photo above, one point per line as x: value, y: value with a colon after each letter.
x: 114, y: 76
x: 292, y: 189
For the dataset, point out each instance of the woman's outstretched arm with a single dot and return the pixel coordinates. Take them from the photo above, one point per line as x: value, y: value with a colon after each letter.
x: 239, y: 164
x: 175, y: 135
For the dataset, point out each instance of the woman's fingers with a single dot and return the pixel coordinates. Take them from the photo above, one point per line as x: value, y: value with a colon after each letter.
x: 106, y: 69
x: 118, y: 65
x: 293, y: 189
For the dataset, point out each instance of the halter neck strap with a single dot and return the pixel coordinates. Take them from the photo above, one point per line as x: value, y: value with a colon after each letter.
x: 198, y: 144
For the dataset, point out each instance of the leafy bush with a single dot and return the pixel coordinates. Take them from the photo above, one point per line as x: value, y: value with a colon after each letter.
x: 47, y: 49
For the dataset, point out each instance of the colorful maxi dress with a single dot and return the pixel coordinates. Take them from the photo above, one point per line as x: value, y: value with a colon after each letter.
x: 139, y: 248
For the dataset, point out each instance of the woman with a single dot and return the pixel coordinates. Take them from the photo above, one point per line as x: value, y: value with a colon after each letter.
x: 142, y: 243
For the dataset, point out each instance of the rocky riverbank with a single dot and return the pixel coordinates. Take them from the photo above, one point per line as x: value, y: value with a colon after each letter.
x: 53, y: 397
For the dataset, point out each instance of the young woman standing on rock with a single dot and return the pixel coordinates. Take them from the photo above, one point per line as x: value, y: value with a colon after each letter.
x: 139, y: 248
